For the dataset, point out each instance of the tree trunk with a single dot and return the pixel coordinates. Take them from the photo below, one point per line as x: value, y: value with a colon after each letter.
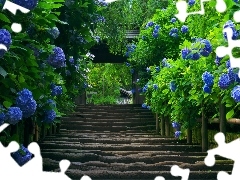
x: 157, y: 124
x: 189, y: 135
x: 163, y: 126
x: 222, y: 119
x: 204, y: 133
x: 167, y: 126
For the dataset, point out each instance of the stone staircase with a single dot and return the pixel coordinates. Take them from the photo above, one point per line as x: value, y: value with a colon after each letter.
x: 119, y: 142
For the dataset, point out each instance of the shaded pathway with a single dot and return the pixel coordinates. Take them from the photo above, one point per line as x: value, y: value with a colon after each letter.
x: 119, y: 142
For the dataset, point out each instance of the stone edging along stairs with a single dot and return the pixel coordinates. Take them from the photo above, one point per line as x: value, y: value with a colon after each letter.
x: 119, y: 142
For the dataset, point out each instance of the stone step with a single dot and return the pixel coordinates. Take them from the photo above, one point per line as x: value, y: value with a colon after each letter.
x: 110, y: 128
x: 114, y: 140
x: 76, y: 174
x: 121, y: 147
x: 50, y: 164
x: 85, y: 157
x: 109, y: 119
x: 126, y: 132
x: 105, y: 122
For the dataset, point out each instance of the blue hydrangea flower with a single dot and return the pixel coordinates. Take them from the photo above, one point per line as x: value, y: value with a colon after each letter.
x: 148, y: 107
x: 173, y: 86
x: 208, y: 78
x: 28, y: 4
x: 56, y: 90
x: 144, y: 105
x: 57, y: 59
x: 231, y: 75
x: 26, y: 103
x: 145, y: 88
x: 127, y: 64
x: 133, y: 91
x: 195, y: 56
x: 176, y: 126
x: 155, y: 86
x: 230, y: 24
x: 157, y: 69
x: 235, y: 93
x: 173, y: 32
x: 14, y: 115
x: 191, y: 2
x: 173, y: 20
x: 149, y: 24
x: 165, y: 63
x: 186, y: 53
x: 218, y: 60
x: 207, y: 89
x: 156, y: 31
x: 237, y: 79
x: 228, y: 64
x: 184, y: 29
x: 2, y: 118
x: 49, y: 117
x: 224, y: 81
x: 22, y: 156
x: 177, y: 134
x: 5, y: 39
x: 207, y: 49
x: 54, y: 32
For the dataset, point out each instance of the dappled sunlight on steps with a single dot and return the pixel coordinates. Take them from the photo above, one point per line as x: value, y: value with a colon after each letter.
x: 119, y: 142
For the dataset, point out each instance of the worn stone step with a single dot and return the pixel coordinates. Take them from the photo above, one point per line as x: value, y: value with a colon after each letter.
x: 127, y: 132
x: 127, y: 147
x: 129, y: 175
x: 110, y: 128
x: 116, y: 140
x: 105, y: 122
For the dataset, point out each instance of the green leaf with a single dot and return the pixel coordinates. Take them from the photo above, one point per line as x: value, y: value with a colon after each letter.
x: 230, y: 114
x: 3, y: 72
x: 7, y: 104
x: 4, y: 18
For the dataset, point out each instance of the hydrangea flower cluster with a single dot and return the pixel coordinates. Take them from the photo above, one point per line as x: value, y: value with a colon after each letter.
x: 57, y: 59
x: 155, y: 86
x: 26, y: 103
x: 144, y: 105
x: 150, y: 24
x: 230, y: 24
x: 184, y: 29
x: 49, y: 116
x: 54, y: 32
x: 2, y: 118
x: 165, y: 63
x: 56, y: 90
x: 156, y: 31
x: 28, y: 4
x: 5, y: 39
x: 177, y: 134
x: 176, y: 126
x: 157, y: 69
x: 130, y: 49
x: 145, y: 88
x: 228, y: 64
x: 101, y: 2
x: 235, y: 93
x: 173, y: 20
x: 14, y: 115
x: 208, y: 80
x: 191, y: 2
x: 173, y: 32
x: 22, y: 156
x: 224, y: 81
x: 217, y: 60
x: 173, y: 86
x: 195, y: 53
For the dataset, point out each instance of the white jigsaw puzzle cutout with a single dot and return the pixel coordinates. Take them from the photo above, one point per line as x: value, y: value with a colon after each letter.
x: 183, y: 14
x: 177, y: 171
x: 226, y: 150
x: 222, y: 51
x: 33, y: 168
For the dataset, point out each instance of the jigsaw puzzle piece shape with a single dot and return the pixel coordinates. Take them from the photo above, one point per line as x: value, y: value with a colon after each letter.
x: 222, y: 51
x: 221, y: 6
x: 236, y: 16
x: 177, y: 171
x: 5, y: 125
x: 159, y: 178
x: 85, y: 177
x: 182, y: 10
x: 12, y: 7
x: 35, y: 164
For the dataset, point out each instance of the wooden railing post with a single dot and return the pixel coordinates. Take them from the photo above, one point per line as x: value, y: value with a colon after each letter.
x: 162, y: 125
x: 157, y: 124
